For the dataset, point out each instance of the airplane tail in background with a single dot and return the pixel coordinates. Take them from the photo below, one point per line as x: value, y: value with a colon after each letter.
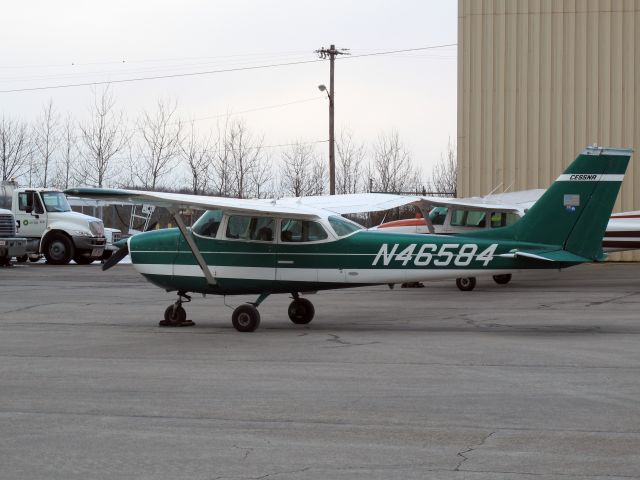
x: 573, y: 213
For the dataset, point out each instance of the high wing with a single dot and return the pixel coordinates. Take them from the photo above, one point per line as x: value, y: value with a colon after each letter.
x: 376, y: 202
x: 177, y: 201
x: 314, y: 206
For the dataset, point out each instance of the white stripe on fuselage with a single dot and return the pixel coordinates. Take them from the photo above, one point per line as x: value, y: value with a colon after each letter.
x: 328, y: 275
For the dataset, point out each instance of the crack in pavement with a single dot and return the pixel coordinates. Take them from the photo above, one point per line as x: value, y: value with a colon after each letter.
x: 261, y: 477
x: 470, y: 449
x: 247, y: 451
x: 343, y: 343
x: 591, y: 304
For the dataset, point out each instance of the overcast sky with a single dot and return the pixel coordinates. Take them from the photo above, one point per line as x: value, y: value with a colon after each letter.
x: 45, y: 43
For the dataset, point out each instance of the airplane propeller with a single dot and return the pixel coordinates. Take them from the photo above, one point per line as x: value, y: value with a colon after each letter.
x: 116, y: 257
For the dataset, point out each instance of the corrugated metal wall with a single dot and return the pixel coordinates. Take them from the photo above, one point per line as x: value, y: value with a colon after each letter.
x: 538, y: 80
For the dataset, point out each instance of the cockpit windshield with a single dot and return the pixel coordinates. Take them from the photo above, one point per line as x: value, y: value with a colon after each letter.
x: 208, y: 224
x: 55, y: 202
x: 342, y: 226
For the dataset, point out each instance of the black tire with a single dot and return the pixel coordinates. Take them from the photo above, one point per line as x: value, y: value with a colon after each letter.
x: 22, y: 258
x: 301, y: 311
x: 245, y: 318
x: 58, y: 250
x: 83, y: 260
x: 466, y: 284
x: 179, y: 315
x: 106, y: 255
x: 502, y: 279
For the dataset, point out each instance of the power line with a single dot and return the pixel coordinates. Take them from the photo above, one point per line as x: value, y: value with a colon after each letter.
x: 211, y: 72
x: 267, y: 107
x: 155, y: 60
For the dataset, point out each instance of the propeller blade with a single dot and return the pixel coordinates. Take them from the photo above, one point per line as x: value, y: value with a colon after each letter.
x: 116, y: 257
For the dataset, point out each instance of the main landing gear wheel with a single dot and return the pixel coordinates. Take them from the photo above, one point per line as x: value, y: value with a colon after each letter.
x: 466, y: 284
x: 245, y: 318
x: 301, y: 311
x: 175, y: 314
x: 502, y: 279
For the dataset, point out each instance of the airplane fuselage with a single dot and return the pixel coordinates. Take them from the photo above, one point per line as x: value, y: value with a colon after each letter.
x: 362, y: 258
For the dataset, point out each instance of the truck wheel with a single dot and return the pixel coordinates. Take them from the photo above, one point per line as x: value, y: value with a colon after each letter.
x: 58, y: 250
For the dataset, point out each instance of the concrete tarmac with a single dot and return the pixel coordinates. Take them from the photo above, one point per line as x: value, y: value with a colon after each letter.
x: 536, y: 379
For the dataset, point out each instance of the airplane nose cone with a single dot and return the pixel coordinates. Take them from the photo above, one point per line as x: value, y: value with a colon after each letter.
x: 157, y: 246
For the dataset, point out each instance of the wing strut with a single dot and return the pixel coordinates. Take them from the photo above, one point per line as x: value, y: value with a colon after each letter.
x: 425, y: 207
x: 194, y: 248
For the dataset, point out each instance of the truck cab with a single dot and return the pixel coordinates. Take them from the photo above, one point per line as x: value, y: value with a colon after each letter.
x: 45, y: 219
x: 10, y: 244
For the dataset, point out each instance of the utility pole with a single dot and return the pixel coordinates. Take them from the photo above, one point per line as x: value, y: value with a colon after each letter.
x: 331, y: 53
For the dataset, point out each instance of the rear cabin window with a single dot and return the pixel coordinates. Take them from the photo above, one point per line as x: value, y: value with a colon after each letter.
x: 294, y: 230
x: 437, y: 215
x: 258, y: 229
x: 502, y: 219
x: 468, y: 218
x: 208, y: 224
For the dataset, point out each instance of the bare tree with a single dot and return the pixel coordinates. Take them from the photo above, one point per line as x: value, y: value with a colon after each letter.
x: 302, y: 173
x: 444, y: 175
x: 221, y: 161
x: 392, y: 169
x: 261, y: 178
x: 68, y: 154
x: 242, y: 155
x: 103, y: 138
x: 196, y: 153
x: 46, y: 140
x: 15, y: 149
x: 349, y: 165
x: 159, y: 146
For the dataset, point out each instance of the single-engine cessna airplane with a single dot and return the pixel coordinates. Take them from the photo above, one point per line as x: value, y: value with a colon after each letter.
x: 267, y: 247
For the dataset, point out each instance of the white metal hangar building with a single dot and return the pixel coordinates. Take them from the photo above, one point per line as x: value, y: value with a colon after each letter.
x: 538, y: 80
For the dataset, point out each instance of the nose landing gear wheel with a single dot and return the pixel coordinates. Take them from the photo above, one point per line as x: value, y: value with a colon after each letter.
x: 502, y: 279
x: 245, y: 318
x: 466, y: 284
x: 301, y: 311
x: 175, y: 315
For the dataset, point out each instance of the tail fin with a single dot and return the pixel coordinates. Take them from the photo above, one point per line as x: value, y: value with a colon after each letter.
x: 573, y: 213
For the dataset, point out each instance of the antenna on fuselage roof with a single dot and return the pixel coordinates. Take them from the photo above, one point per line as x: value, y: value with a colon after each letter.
x: 493, y: 191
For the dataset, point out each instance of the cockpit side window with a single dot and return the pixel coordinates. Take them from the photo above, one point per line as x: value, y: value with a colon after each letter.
x: 294, y: 230
x: 250, y: 228
x: 208, y: 224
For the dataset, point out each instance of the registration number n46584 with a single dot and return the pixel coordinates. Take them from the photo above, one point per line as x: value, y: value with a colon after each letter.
x: 461, y: 255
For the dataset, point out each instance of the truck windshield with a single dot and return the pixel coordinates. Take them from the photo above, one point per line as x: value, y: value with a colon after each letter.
x: 55, y: 202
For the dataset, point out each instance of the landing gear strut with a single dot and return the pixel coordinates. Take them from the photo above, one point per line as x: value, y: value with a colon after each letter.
x: 175, y: 315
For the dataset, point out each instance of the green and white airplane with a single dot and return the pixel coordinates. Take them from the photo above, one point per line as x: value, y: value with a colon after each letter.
x: 293, y: 246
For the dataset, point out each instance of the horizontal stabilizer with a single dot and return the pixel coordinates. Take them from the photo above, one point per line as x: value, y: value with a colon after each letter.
x: 560, y: 256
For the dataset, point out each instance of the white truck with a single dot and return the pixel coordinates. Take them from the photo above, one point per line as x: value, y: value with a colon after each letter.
x: 51, y: 228
x: 10, y: 244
